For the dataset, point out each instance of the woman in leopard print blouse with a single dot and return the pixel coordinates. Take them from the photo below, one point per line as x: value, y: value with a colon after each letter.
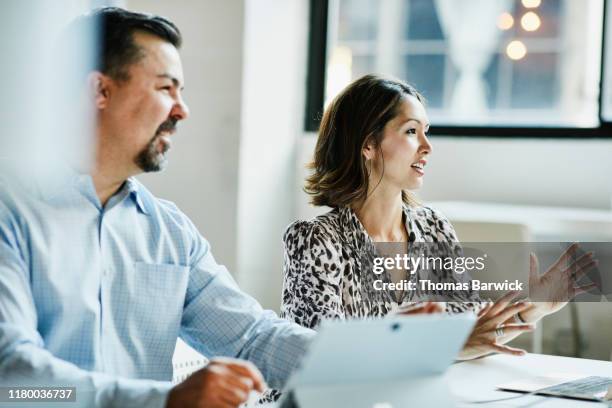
x: 372, y: 149
x: 328, y: 276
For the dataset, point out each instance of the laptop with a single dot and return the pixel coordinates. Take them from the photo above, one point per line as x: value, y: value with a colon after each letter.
x: 379, y: 363
x: 590, y: 388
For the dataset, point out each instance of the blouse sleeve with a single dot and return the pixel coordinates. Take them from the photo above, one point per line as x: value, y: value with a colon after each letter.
x: 465, y: 300
x: 312, y: 276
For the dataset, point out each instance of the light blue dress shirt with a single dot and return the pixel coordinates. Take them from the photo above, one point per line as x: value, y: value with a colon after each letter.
x: 95, y: 297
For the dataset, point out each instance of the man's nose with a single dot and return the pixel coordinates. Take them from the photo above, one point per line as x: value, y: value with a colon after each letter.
x: 180, y: 111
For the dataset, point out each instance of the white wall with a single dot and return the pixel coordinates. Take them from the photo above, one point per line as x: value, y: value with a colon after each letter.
x: 202, y: 173
x: 562, y: 173
x: 568, y: 173
x: 273, y: 104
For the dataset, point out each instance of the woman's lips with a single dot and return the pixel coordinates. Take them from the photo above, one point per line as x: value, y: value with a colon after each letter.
x: 419, y: 167
x: 419, y: 171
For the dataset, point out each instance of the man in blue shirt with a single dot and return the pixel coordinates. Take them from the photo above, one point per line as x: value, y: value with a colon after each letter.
x: 98, y: 277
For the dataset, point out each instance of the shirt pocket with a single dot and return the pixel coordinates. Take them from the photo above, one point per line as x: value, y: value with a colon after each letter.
x: 160, y: 290
x: 161, y: 280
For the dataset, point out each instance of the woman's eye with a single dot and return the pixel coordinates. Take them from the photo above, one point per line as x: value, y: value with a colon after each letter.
x: 411, y: 131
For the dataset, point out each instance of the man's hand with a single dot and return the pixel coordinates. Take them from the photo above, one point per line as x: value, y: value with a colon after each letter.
x: 223, y: 383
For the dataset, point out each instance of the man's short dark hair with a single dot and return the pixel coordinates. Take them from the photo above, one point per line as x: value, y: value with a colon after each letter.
x: 116, y: 27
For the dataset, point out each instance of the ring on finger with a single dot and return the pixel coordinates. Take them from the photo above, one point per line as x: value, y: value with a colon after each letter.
x: 499, y: 332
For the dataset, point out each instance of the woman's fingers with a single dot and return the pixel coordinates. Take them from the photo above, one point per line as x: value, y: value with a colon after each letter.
x: 581, y: 261
x: 500, y: 348
x: 581, y: 272
x: 582, y: 289
x: 502, y: 303
x: 576, y: 271
x: 509, y: 312
x: 514, y: 328
x: 432, y: 307
x: 485, y: 309
x: 421, y: 308
x: 534, y: 269
x: 565, y: 257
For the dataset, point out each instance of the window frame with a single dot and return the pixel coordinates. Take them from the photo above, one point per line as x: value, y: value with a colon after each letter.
x: 316, y: 76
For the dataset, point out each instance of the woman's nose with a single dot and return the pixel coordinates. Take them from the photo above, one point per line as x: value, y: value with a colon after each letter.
x: 425, y: 144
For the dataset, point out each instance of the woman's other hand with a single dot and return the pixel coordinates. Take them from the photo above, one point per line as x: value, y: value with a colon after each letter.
x: 421, y: 308
x: 494, y: 328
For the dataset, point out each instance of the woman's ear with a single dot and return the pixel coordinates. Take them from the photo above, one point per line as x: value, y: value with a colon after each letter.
x: 98, y: 85
x: 369, y: 151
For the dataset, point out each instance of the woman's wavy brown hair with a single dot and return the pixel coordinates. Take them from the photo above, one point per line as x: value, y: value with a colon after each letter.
x: 356, y: 117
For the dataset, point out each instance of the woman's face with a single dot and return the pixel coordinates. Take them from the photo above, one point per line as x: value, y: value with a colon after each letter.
x: 404, y: 149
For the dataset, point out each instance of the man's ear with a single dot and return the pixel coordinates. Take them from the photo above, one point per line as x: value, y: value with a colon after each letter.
x: 99, y: 88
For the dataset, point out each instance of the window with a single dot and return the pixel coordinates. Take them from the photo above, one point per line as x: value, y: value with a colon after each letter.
x: 481, y: 64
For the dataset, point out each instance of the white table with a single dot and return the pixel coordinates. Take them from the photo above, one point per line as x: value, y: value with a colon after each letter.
x: 466, y: 382
x: 477, y: 380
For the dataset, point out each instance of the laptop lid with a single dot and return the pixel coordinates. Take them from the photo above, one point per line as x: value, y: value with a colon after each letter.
x: 392, y: 348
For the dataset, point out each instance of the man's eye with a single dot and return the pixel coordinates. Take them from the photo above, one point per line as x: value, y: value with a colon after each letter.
x: 167, y: 88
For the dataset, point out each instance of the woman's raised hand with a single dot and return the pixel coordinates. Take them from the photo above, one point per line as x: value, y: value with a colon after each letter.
x: 552, y: 290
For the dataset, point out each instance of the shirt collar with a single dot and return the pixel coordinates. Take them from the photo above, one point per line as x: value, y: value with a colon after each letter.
x: 56, y: 186
x: 83, y: 183
x: 355, y: 233
x: 135, y: 190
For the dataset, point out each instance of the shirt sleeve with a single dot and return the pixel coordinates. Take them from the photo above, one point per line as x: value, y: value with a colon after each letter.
x: 221, y: 320
x: 24, y: 361
x: 312, y: 279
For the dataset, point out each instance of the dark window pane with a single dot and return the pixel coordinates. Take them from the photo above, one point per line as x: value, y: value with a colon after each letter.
x: 426, y: 73
x: 533, y: 81
x: 422, y: 21
x: 358, y: 20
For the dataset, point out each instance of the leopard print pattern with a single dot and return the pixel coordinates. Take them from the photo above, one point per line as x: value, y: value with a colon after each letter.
x: 326, y: 275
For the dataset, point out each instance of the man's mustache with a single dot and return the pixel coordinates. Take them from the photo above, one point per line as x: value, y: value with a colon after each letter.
x: 168, y: 126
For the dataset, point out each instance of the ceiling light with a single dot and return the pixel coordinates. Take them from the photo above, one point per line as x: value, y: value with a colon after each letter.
x: 531, y: 3
x: 516, y: 50
x: 505, y: 21
x: 530, y: 21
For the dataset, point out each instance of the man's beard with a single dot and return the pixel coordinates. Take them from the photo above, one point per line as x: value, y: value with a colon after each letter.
x: 150, y: 158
